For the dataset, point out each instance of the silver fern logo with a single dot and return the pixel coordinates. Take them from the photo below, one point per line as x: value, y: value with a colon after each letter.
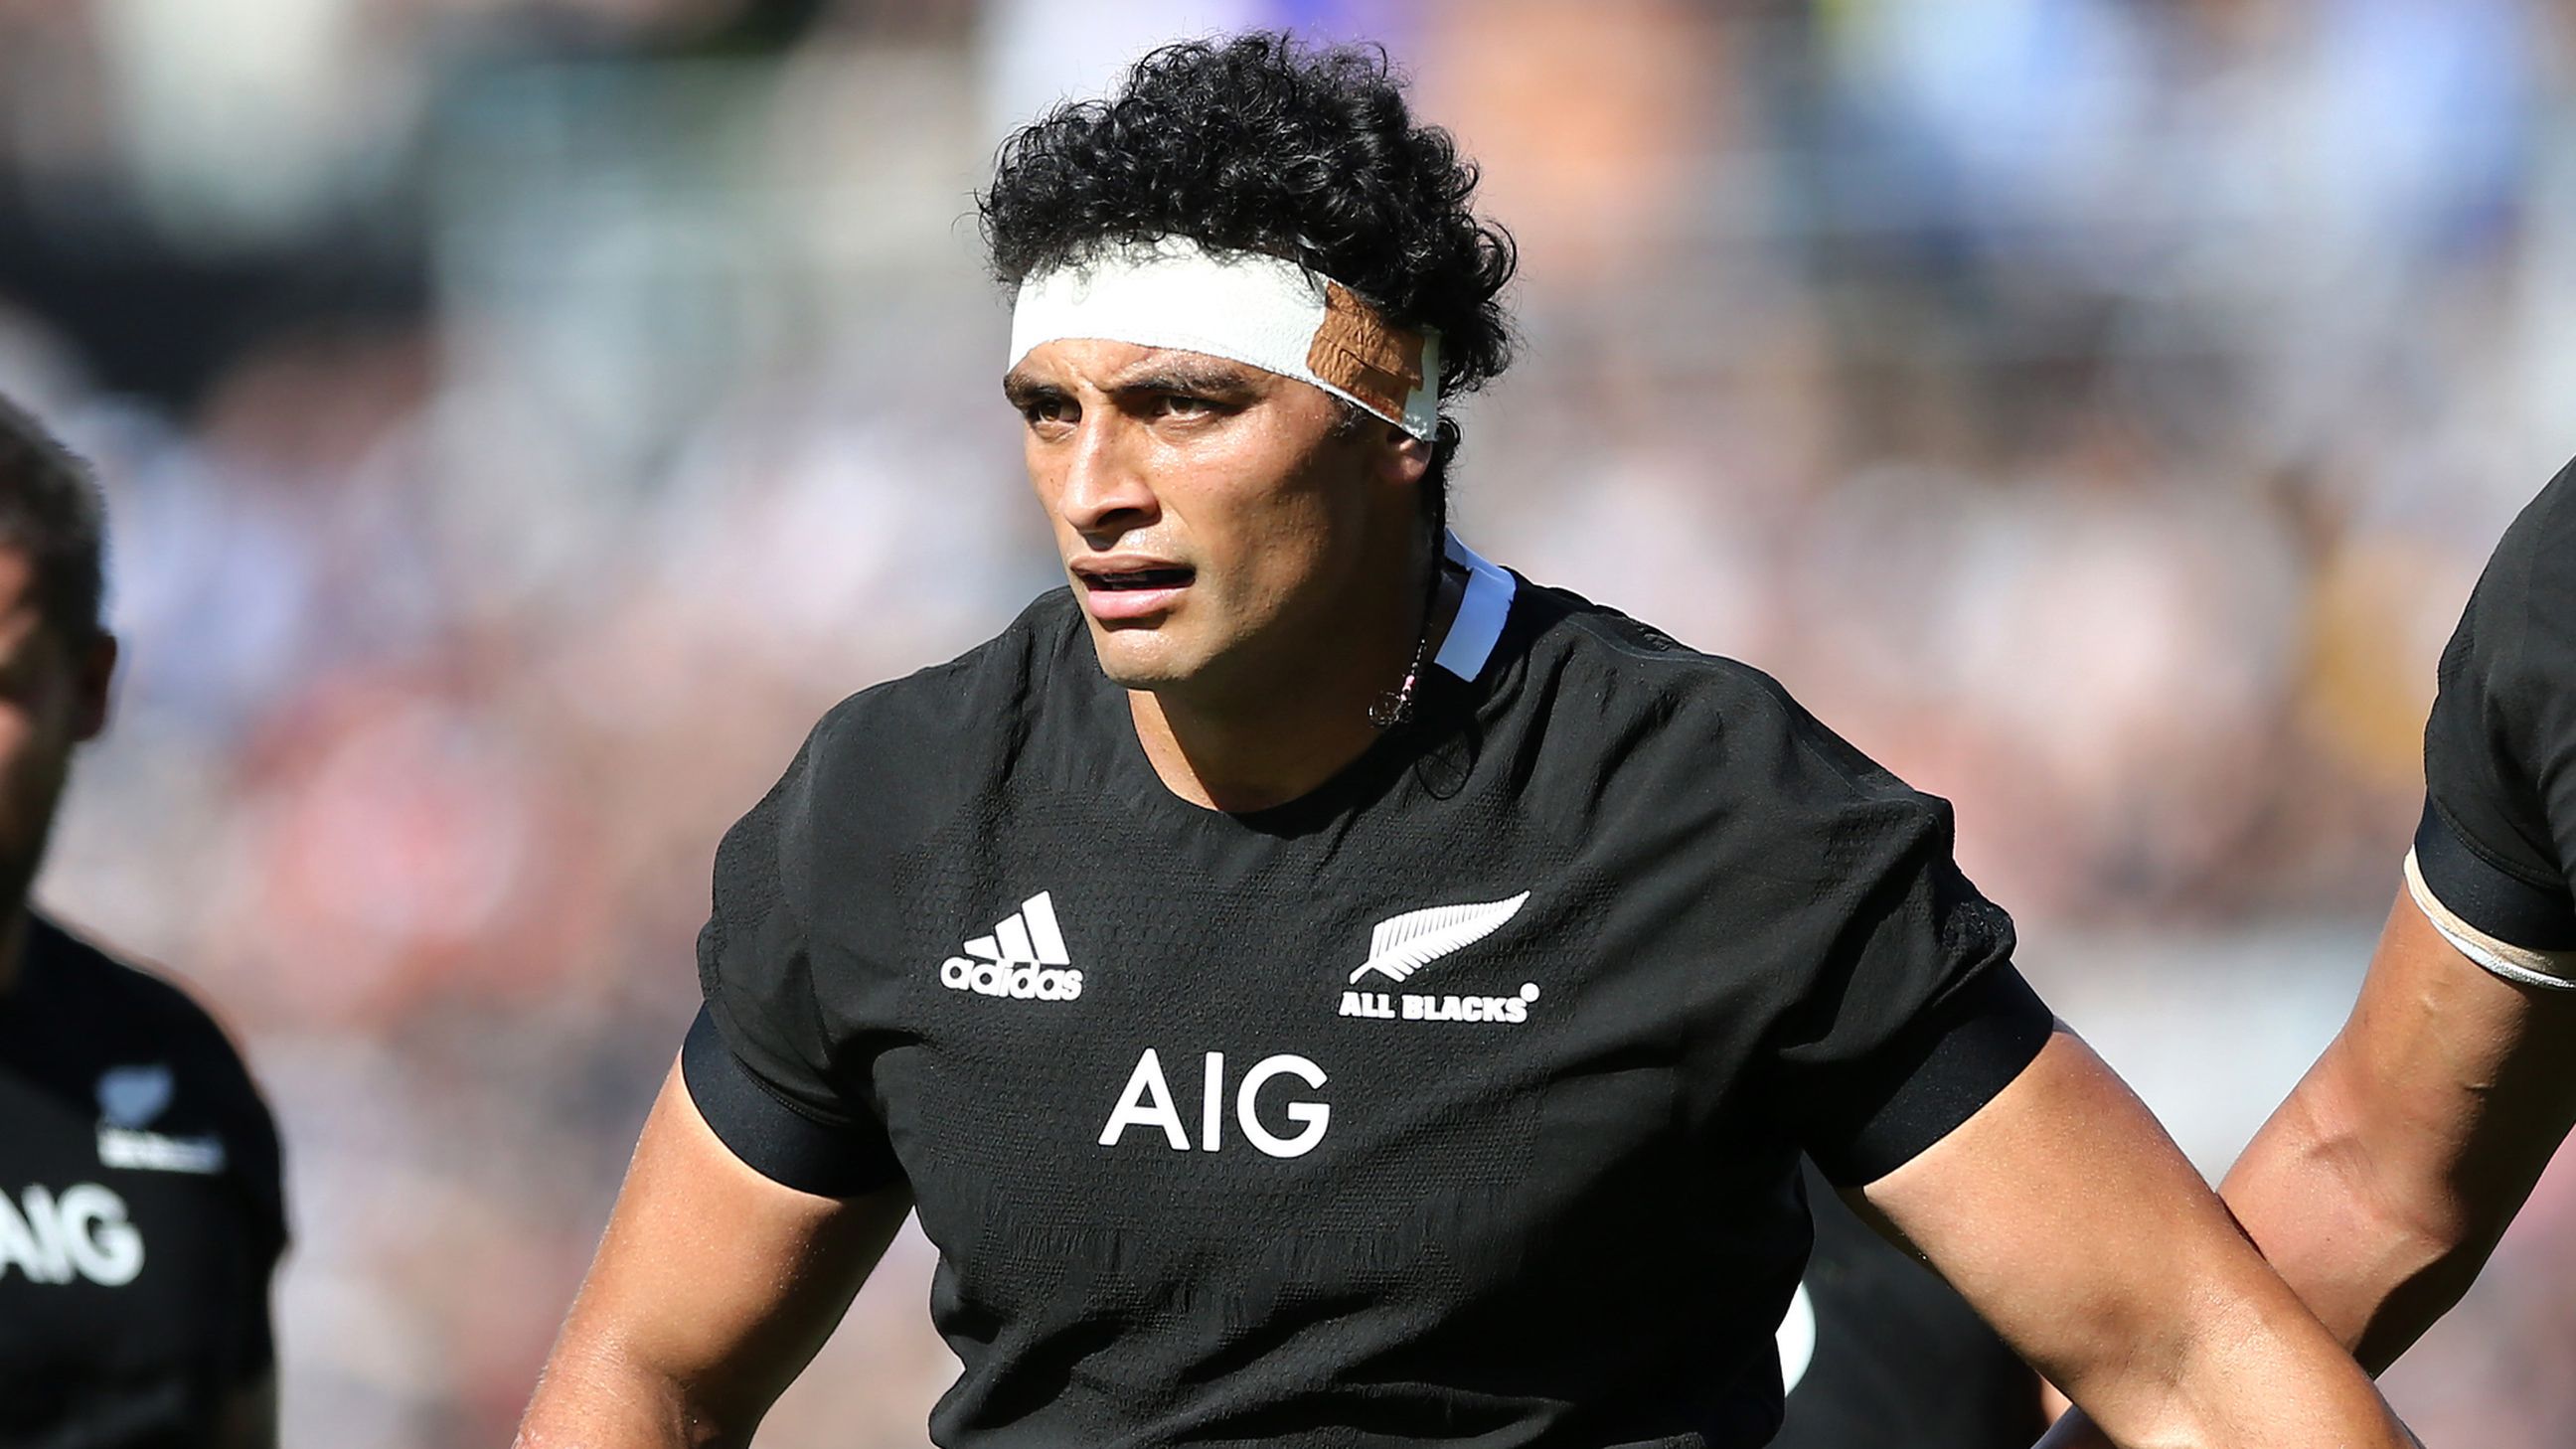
x: 1402, y: 945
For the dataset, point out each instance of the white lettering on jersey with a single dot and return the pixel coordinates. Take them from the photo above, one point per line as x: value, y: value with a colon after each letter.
x: 152, y: 1152
x: 84, y: 1231
x: 1147, y: 1102
x: 1509, y: 1010
x: 41, y: 1258
x: 1314, y: 1116
x: 1133, y: 1110
x: 1024, y: 958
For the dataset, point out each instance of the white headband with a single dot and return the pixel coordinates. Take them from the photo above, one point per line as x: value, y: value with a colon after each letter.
x: 1246, y: 306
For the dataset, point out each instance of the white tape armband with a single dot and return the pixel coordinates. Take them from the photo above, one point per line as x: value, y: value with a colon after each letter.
x: 2552, y: 970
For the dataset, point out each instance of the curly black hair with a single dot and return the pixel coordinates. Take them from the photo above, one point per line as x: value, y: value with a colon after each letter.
x: 50, y: 510
x: 1260, y: 143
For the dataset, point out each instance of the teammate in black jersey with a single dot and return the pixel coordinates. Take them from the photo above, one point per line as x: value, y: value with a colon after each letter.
x: 1320, y: 988
x: 2380, y: 1187
x: 140, y: 1209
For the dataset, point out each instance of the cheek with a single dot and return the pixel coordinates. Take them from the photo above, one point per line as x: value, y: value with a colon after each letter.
x: 1045, y: 480
x: 1274, y: 501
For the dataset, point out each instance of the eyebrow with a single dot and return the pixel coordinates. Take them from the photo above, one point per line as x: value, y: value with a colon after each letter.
x: 1022, y: 389
x: 1188, y: 375
x: 1164, y: 374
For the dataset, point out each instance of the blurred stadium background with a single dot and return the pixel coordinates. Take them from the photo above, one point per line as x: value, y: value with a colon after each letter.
x: 521, y: 419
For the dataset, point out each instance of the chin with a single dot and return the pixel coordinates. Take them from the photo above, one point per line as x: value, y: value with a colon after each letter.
x: 1141, y: 658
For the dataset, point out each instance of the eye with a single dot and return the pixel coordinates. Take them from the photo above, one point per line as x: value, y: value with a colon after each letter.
x: 1182, y: 405
x: 1046, y: 409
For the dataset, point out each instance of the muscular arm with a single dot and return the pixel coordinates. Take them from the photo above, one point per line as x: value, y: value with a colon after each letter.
x: 713, y: 1288
x: 2067, y: 1217
x: 2380, y: 1187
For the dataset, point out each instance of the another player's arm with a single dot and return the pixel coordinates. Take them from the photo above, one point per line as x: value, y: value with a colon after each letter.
x: 2066, y: 1216
x: 713, y: 1288
x: 2380, y: 1187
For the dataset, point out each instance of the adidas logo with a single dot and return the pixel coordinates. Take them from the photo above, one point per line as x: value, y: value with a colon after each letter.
x: 1024, y: 958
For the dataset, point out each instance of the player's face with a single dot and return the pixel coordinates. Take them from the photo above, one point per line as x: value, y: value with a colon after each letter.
x: 53, y: 695
x: 1215, y: 519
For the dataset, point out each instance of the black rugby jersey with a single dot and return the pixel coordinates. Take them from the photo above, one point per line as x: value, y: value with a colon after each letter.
x: 1877, y: 1351
x: 141, y: 1212
x: 1458, y: 1102
x: 2496, y: 850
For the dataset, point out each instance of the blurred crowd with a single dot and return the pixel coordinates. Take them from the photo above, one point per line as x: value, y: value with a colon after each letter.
x: 521, y: 418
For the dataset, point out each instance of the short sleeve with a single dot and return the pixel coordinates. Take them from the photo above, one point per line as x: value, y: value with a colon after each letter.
x: 760, y: 1066
x: 1915, y: 1018
x: 254, y: 1173
x: 258, y: 1168
x: 2493, y: 852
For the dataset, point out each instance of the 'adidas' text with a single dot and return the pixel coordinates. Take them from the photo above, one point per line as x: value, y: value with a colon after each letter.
x: 1023, y: 958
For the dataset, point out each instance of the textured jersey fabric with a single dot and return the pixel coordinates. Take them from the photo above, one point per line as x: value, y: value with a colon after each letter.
x: 2497, y: 846
x: 141, y: 1212
x: 1458, y: 1102
x: 1881, y: 1353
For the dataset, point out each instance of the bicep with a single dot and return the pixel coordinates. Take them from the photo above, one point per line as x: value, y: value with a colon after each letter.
x: 713, y: 1281
x: 2044, y: 1208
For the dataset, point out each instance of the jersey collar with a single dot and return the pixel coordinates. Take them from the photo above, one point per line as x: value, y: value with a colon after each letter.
x: 1481, y: 611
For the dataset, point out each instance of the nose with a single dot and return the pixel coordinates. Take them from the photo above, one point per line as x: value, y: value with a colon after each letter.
x: 1104, y: 492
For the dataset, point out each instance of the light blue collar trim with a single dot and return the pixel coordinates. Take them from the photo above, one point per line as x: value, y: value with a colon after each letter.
x: 1479, y: 625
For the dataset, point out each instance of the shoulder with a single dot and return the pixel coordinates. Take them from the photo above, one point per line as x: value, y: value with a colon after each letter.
x: 2537, y: 555
x: 1651, y: 707
x: 133, y: 1002
x: 988, y: 689
x: 893, y: 763
x: 944, y: 725
x: 2527, y: 594
x: 2498, y: 841
x: 2504, y: 709
x: 143, y: 1015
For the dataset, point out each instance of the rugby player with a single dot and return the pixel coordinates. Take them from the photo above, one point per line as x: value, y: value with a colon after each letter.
x: 2381, y: 1185
x: 1317, y: 987
x: 141, y: 1210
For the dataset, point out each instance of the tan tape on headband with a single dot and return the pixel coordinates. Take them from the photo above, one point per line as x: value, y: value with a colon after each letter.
x: 1356, y: 351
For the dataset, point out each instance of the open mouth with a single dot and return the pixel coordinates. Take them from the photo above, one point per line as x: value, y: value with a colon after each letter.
x: 1135, y: 580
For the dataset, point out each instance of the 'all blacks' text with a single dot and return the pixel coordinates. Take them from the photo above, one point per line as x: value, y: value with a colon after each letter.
x: 1408, y: 1006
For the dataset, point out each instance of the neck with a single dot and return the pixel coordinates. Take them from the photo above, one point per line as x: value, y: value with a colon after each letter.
x: 1308, y: 719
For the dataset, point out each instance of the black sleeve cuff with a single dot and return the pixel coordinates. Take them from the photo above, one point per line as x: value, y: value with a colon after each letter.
x: 1976, y: 1043
x: 772, y: 1138
x: 2487, y: 896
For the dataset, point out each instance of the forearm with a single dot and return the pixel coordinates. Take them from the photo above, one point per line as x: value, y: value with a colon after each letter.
x: 2226, y: 1360
x: 712, y: 1289
x: 593, y: 1396
x: 2063, y: 1213
x: 2076, y: 1431
x: 2252, y: 1369
x: 2380, y: 1187
x: 2369, y: 1233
